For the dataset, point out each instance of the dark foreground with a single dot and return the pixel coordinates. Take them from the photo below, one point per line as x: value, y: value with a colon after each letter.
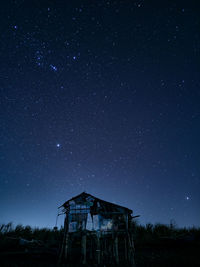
x: 155, y: 246
x: 154, y: 255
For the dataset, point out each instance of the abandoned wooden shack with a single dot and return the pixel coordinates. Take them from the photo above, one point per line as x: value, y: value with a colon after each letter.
x: 96, y: 233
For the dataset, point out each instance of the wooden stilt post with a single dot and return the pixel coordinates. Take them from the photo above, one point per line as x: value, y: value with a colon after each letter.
x: 66, y: 246
x: 131, y: 251
x: 98, y: 250
x: 63, y: 247
x: 125, y: 248
x: 105, y: 252
x: 116, y: 250
x: 84, y: 248
x: 110, y: 250
x: 91, y: 247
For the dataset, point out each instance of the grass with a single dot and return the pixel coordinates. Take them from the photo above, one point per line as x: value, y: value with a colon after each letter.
x: 155, y: 245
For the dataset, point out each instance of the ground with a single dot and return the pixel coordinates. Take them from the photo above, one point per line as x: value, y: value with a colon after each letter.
x: 165, y: 255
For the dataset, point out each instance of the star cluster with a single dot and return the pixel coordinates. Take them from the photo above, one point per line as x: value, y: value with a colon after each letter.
x: 100, y: 96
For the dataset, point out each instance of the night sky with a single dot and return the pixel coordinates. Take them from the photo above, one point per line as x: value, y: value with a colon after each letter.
x: 103, y: 97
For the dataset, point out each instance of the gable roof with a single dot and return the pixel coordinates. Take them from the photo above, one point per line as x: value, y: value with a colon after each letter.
x: 85, y: 195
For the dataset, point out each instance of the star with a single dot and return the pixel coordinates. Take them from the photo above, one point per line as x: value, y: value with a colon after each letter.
x: 53, y: 67
x: 187, y: 198
x: 58, y: 145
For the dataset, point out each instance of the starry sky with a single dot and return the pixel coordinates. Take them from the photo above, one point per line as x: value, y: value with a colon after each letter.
x: 103, y: 97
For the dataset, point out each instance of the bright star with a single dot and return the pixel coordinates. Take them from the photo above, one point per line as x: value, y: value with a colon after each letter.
x: 58, y: 145
x: 54, y: 68
x: 187, y: 198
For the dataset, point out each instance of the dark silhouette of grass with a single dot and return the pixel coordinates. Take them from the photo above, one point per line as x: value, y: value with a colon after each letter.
x: 155, y: 245
x: 29, y: 233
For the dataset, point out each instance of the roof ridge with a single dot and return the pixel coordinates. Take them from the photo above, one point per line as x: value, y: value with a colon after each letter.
x: 110, y: 203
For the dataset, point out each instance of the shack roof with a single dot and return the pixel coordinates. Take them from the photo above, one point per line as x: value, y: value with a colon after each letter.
x: 84, y: 196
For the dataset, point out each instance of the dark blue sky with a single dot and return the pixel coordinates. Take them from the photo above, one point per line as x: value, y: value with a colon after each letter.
x: 102, y: 97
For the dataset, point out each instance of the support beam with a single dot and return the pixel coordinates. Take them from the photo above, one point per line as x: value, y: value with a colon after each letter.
x: 125, y: 249
x: 98, y: 250
x: 131, y: 251
x: 64, y: 242
x: 116, y: 250
x: 84, y: 248
x: 66, y: 246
